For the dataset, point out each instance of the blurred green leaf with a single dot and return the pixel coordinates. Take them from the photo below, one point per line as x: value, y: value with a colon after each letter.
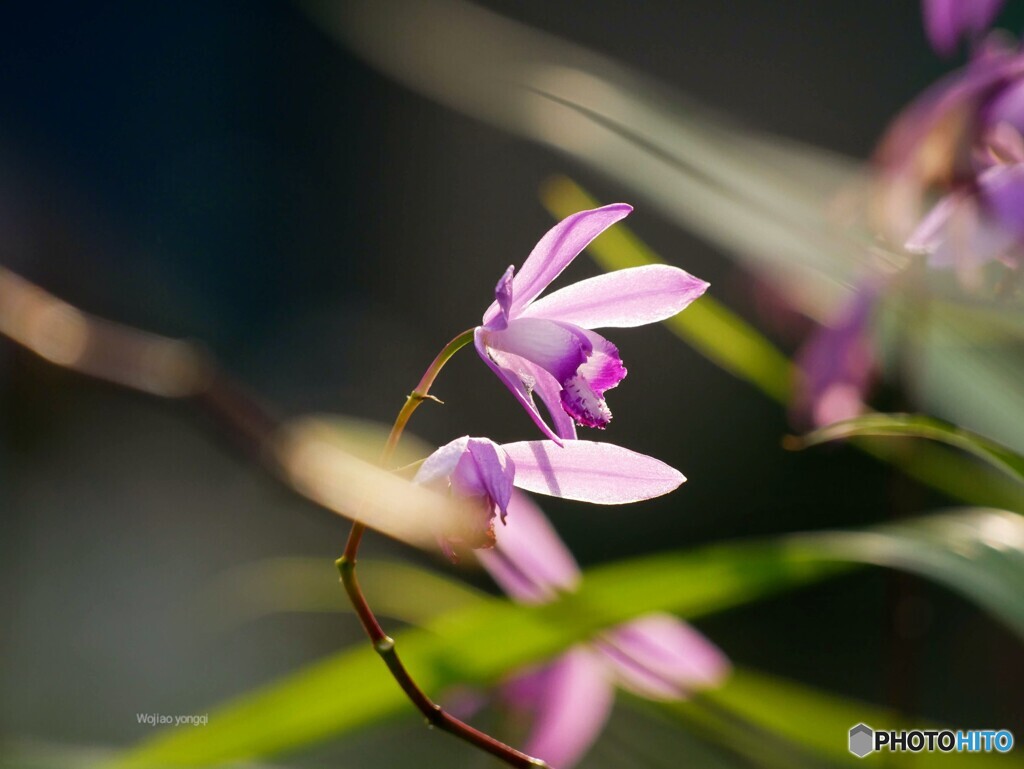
x: 777, y: 722
x: 362, y: 438
x: 951, y: 472
x: 919, y: 426
x: 978, y: 553
x: 972, y: 381
x: 302, y: 584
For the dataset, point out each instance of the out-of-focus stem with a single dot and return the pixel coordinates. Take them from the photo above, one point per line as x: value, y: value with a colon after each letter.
x: 148, y: 363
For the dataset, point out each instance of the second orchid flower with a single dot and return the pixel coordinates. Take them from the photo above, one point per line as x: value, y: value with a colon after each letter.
x: 483, y: 473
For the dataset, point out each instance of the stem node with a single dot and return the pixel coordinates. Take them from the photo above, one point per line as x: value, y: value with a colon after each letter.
x: 418, y: 396
x: 345, y: 566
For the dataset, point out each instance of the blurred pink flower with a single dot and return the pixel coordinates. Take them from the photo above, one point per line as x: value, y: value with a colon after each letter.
x: 569, y: 699
x: 480, y: 470
x: 961, y: 141
x: 947, y: 22
x: 548, y: 347
x: 981, y: 220
x: 837, y: 365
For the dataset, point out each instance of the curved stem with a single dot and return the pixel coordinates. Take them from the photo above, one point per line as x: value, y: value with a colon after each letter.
x: 422, y: 392
x: 383, y: 644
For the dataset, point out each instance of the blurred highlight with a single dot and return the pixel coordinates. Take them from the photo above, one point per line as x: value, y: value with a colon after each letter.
x: 305, y: 453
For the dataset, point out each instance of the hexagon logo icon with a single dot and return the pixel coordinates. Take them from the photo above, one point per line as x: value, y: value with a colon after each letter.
x: 862, y: 740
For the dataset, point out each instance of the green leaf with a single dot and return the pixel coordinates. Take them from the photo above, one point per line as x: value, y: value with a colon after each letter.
x: 395, y: 589
x: 978, y: 553
x: 946, y: 470
x: 778, y: 722
x: 998, y: 456
x: 969, y: 380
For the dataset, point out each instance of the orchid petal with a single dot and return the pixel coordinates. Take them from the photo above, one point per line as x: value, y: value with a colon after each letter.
x: 555, y: 252
x: 485, y: 470
x: 1002, y: 188
x: 574, y: 704
x: 441, y: 464
x: 503, y: 297
x: 928, y: 235
x: 622, y: 299
x: 662, y: 658
x: 901, y: 146
x: 582, y: 395
x: 529, y: 560
x: 837, y: 364
x: 514, y: 382
x: 584, y: 404
x: 549, y: 390
x: 1003, y: 142
x: 588, y: 471
x: 603, y: 369
x: 957, y: 233
x: 558, y: 348
x: 947, y: 21
x: 1007, y: 107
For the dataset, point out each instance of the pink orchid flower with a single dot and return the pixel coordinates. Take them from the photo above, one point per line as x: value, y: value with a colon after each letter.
x: 548, y: 347
x: 960, y: 142
x: 655, y: 656
x: 946, y: 22
x: 482, y: 472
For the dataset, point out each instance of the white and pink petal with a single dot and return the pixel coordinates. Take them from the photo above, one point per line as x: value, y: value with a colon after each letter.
x: 555, y: 251
x: 623, y: 299
x: 529, y: 560
x: 589, y: 471
x: 558, y: 348
x: 659, y: 657
x: 571, y: 700
x: 484, y: 470
x: 513, y: 373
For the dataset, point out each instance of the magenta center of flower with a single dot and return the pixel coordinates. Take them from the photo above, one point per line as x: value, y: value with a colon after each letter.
x: 583, y: 363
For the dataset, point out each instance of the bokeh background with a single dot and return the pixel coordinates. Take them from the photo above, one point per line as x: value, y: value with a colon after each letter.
x: 229, y: 173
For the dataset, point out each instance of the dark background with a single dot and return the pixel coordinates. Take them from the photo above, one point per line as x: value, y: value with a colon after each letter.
x: 224, y: 171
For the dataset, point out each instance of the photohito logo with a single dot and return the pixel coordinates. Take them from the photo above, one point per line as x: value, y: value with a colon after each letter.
x: 865, y: 740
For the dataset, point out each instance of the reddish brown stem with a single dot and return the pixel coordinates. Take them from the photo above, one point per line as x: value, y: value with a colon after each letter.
x: 382, y: 642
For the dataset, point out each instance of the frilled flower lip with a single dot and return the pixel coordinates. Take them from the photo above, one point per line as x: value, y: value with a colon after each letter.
x: 547, y: 347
